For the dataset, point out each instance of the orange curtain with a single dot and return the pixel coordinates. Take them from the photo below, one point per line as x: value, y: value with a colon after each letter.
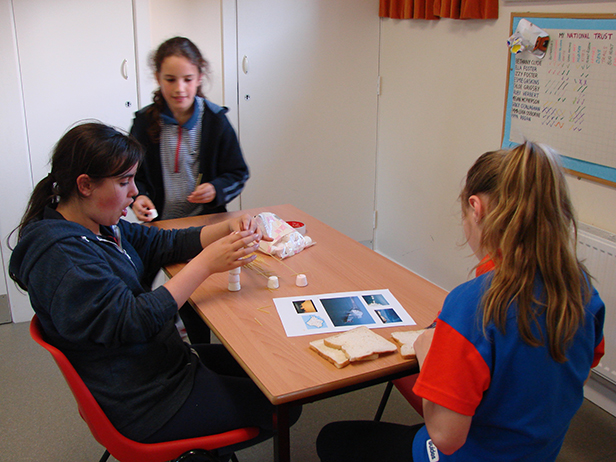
x: 436, y: 9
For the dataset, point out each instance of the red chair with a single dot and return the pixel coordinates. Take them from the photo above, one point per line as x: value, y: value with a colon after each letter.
x: 122, y: 448
x: 405, y: 387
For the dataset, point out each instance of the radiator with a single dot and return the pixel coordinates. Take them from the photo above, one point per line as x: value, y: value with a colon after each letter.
x: 597, y: 250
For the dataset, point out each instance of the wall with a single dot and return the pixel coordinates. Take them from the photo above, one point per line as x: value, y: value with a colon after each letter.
x: 15, y: 176
x: 442, y: 103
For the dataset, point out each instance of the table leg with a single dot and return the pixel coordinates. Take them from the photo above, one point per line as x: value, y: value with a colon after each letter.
x: 282, y: 440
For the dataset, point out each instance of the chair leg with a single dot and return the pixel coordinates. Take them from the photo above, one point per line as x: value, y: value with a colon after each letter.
x: 105, y: 456
x: 386, y: 393
x: 200, y: 455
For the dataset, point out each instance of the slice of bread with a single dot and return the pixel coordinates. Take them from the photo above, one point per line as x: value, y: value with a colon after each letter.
x: 405, y: 341
x: 333, y: 355
x: 360, y: 343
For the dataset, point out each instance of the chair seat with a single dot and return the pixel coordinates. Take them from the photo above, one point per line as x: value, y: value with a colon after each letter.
x: 405, y: 387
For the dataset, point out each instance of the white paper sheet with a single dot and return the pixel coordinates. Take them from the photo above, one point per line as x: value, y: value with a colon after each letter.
x: 337, y: 312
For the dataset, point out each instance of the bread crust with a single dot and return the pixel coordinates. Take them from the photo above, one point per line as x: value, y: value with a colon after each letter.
x: 359, y: 344
x: 405, y: 341
x: 334, y: 356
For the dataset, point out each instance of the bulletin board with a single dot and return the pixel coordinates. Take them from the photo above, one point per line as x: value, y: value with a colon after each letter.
x: 567, y: 99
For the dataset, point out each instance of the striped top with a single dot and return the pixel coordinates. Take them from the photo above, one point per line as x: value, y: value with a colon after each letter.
x: 179, y: 153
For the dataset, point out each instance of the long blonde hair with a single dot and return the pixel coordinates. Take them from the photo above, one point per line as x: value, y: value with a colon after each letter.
x: 530, y: 229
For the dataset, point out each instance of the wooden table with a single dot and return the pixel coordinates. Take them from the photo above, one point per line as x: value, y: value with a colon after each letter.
x: 284, y: 368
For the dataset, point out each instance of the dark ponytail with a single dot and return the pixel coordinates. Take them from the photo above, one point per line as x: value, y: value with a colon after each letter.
x: 94, y: 149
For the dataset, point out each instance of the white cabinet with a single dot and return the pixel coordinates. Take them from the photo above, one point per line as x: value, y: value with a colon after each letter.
x: 77, y: 61
x: 308, y: 74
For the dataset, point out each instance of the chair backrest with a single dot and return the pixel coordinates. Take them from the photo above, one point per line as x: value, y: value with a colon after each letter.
x: 122, y: 448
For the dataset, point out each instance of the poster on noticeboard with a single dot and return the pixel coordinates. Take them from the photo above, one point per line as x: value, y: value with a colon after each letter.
x: 567, y: 98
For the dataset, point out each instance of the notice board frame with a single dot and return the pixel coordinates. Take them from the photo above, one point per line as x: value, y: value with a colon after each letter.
x: 596, y: 172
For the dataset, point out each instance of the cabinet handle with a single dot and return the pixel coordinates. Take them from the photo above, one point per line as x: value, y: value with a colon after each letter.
x: 245, y: 64
x: 124, y: 69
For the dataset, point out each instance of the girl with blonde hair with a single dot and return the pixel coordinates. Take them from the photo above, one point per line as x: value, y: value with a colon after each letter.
x: 502, y: 373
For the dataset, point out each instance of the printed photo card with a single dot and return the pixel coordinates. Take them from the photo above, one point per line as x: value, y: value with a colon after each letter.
x: 316, y: 314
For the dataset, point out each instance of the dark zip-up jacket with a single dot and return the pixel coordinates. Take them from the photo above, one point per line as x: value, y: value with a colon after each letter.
x: 220, y: 160
x: 94, y: 302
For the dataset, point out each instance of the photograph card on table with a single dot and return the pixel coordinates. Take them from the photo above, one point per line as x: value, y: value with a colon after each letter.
x: 337, y: 312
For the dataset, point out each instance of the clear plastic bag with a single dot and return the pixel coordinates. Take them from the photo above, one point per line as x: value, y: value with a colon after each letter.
x: 286, y: 240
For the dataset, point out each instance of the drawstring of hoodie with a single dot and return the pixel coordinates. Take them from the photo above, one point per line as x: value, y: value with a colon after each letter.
x: 177, y: 150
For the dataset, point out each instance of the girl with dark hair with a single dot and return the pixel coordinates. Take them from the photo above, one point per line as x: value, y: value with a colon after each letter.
x: 502, y: 373
x: 193, y: 163
x: 110, y: 154
x: 88, y: 275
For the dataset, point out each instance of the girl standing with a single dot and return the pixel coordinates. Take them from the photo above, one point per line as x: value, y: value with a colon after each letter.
x: 193, y: 162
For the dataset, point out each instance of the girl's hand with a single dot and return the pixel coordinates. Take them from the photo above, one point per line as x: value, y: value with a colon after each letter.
x: 230, y: 251
x: 224, y: 254
x: 247, y: 223
x: 243, y: 223
x: 422, y: 345
x: 142, y: 207
x: 203, y: 194
x: 212, y: 233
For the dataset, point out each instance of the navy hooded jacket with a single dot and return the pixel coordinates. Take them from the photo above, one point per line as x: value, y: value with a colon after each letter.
x: 94, y: 302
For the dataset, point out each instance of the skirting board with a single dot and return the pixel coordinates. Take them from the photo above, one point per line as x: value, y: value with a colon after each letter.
x: 601, y: 392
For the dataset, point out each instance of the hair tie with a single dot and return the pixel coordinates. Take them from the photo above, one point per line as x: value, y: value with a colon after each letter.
x: 54, y: 188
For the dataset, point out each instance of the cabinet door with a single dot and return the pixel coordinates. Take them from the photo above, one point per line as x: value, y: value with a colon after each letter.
x: 307, y: 107
x: 77, y: 61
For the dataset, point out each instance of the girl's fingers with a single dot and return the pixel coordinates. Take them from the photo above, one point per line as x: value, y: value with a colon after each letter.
x: 248, y: 246
x: 243, y: 240
x: 250, y: 223
x: 245, y: 260
x: 243, y: 223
